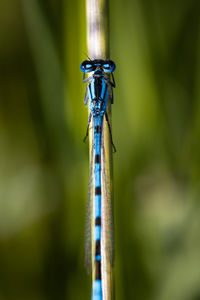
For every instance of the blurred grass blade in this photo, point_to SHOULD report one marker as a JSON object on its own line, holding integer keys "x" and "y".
{"x": 48, "y": 69}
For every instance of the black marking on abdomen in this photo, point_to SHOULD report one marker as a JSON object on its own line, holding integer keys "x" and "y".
{"x": 98, "y": 190}
{"x": 98, "y": 221}
{"x": 97, "y": 269}
{"x": 97, "y": 159}
{"x": 97, "y": 129}
{"x": 97, "y": 247}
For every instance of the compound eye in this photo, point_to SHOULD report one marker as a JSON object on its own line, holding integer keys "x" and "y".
{"x": 87, "y": 66}
{"x": 109, "y": 66}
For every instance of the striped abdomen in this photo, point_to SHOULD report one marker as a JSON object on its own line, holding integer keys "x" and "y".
{"x": 97, "y": 283}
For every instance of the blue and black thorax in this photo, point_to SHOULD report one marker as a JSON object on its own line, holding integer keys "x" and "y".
{"x": 99, "y": 88}
{"x": 98, "y": 93}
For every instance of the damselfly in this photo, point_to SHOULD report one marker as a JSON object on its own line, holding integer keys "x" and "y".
{"x": 99, "y": 228}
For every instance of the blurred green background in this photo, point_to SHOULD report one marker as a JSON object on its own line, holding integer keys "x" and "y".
{"x": 44, "y": 163}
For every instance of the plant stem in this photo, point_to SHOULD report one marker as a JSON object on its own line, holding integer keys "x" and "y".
{"x": 98, "y": 48}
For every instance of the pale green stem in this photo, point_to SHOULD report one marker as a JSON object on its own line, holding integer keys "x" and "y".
{"x": 98, "y": 47}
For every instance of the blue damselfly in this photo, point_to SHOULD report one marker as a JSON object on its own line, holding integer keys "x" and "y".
{"x": 99, "y": 228}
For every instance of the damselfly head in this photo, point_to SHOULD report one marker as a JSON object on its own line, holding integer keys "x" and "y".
{"x": 107, "y": 66}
